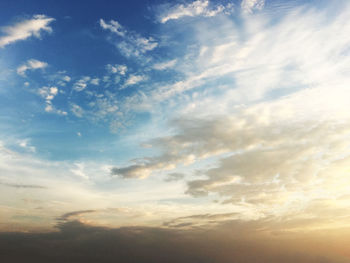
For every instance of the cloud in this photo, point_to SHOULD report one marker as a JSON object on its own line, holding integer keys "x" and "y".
{"x": 106, "y": 106}
{"x": 95, "y": 81}
{"x": 31, "y": 64}
{"x": 25, "y": 144}
{"x": 49, "y": 93}
{"x": 77, "y": 110}
{"x": 31, "y": 186}
{"x": 165, "y": 65}
{"x": 132, "y": 44}
{"x": 132, "y": 171}
{"x": 145, "y": 167}
{"x": 270, "y": 158}
{"x": 25, "y": 29}
{"x": 61, "y": 78}
{"x": 196, "y": 8}
{"x": 248, "y": 6}
{"x": 281, "y": 158}
{"x": 174, "y": 177}
{"x": 134, "y": 79}
{"x": 114, "y": 27}
{"x": 24, "y": 176}
{"x": 82, "y": 83}
{"x": 66, "y": 78}
{"x": 69, "y": 215}
{"x": 200, "y": 220}
{"x": 258, "y": 54}
{"x": 79, "y": 169}
{"x": 275, "y": 150}
{"x": 117, "y": 69}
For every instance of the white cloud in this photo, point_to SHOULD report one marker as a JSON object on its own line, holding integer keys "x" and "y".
{"x": 31, "y": 64}
{"x": 104, "y": 107}
{"x": 66, "y": 78}
{"x": 134, "y": 79}
{"x": 81, "y": 84}
{"x": 25, "y": 143}
{"x": 78, "y": 170}
{"x": 49, "y": 107}
{"x": 117, "y": 69}
{"x": 49, "y": 93}
{"x": 248, "y": 6}
{"x": 165, "y": 65}
{"x": 114, "y": 27}
{"x": 53, "y": 91}
{"x": 263, "y": 57}
{"x": 95, "y": 81}
{"x": 77, "y": 110}
{"x": 196, "y": 8}
{"x": 276, "y": 158}
{"x": 25, "y": 29}
{"x": 132, "y": 44}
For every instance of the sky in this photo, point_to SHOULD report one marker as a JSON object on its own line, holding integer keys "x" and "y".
{"x": 175, "y": 122}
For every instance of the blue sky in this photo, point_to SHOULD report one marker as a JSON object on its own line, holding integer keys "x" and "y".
{"x": 158, "y": 109}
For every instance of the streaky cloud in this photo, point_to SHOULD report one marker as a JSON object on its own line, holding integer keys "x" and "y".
{"x": 25, "y": 29}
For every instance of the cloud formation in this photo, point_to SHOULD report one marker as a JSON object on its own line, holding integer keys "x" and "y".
{"x": 270, "y": 156}
{"x": 82, "y": 83}
{"x": 248, "y": 6}
{"x": 25, "y": 29}
{"x": 134, "y": 79}
{"x": 165, "y": 65}
{"x": 196, "y": 8}
{"x": 31, "y": 64}
{"x": 49, "y": 93}
{"x": 249, "y": 127}
{"x": 132, "y": 44}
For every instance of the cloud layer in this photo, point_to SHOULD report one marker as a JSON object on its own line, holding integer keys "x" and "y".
{"x": 209, "y": 123}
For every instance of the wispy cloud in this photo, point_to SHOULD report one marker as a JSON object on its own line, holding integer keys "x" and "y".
{"x": 82, "y": 83}
{"x": 248, "y": 6}
{"x": 77, "y": 110}
{"x": 199, "y": 220}
{"x": 31, "y": 64}
{"x": 31, "y": 186}
{"x": 25, "y": 29}
{"x": 165, "y": 65}
{"x": 117, "y": 69}
{"x": 25, "y": 144}
{"x": 134, "y": 79}
{"x": 196, "y": 8}
{"x": 132, "y": 44}
{"x": 49, "y": 93}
